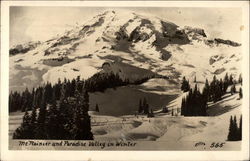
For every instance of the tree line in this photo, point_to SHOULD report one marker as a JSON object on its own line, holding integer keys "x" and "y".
{"x": 195, "y": 103}
{"x": 98, "y": 82}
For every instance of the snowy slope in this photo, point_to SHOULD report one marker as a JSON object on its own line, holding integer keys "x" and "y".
{"x": 161, "y": 127}
{"x": 142, "y": 41}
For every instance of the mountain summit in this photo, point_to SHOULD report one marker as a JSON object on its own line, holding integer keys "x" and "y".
{"x": 118, "y": 37}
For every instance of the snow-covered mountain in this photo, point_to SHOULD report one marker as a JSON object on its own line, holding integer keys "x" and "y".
{"x": 126, "y": 42}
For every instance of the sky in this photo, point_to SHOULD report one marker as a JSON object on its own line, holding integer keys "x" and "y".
{"x": 42, "y": 23}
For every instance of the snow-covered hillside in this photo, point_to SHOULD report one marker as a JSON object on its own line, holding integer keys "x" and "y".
{"x": 142, "y": 41}
{"x": 163, "y": 127}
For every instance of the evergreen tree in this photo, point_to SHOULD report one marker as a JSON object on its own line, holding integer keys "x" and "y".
{"x": 233, "y": 89}
{"x": 235, "y": 129}
{"x": 183, "y": 106}
{"x": 24, "y": 131}
{"x": 41, "y": 124}
{"x": 96, "y": 108}
{"x": 240, "y": 79}
{"x": 82, "y": 127}
{"x": 26, "y": 101}
{"x": 47, "y": 93}
{"x": 33, "y": 98}
{"x": 231, "y": 79}
{"x": 152, "y": 112}
{"x": 57, "y": 89}
{"x": 231, "y": 130}
{"x": 240, "y": 93}
{"x": 185, "y": 85}
{"x": 72, "y": 87}
{"x": 146, "y": 109}
{"x": 140, "y": 109}
{"x": 54, "y": 126}
{"x": 213, "y": 89}
{"x": 226, "y": 83}
{"x": 33, "y": 123}
{"x": 240, "y": 129}
{"x": 205, "y": 91}
{"x": 65, "y": 116}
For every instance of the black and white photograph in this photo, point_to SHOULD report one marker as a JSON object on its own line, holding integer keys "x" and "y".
{"x": 137, "y": 78}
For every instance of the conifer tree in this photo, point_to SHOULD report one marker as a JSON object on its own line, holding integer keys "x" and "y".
{"x": 82, "y": 127}
{"x": 21, "y": 132}
{"x": 146, "y": 109}
{"x": 65, "y": 115}
{"x": 54, "y": 126}
{"x": 152, "y": 112}
{"x": 240, "y": 79}
{"x": 96, "y": 108}
{"x": 233, "y": 89}
{"x": 24, "y": 131}
{"x": 240, "y": 129}
{"x": 140, "y": 109}
{"x": 240, "y": 93}
{"x": 226, "y": 83}
{"x": 235, "y": 128}
{"x": 47, "y": 93}
{"x": 33, "y": 123}
{"x": 231, "y": 130}
{"x": 231, "y": 79}
{"x": 205, "y": 91}
{"x": 72, "y": 87}
{"x": 185, "y": 85}
{"x": 183, "y": 106}
{"x": 26, "y": 101}
{"x": 41, "y": 124}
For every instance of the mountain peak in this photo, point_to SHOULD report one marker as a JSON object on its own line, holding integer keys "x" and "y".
{"x": 139, "y": 40}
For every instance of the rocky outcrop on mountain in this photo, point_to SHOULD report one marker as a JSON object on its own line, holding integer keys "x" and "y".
{"x": 168, "y": 29}
{"x": 227, "y": 42}
{"x": 64, "y": 40}
{"x": 215, "y": 58}
{"x": 24, "y": 48}
{"x": 194, "y": 30}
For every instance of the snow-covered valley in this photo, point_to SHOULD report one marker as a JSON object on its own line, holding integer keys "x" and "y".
{"x": 136, "y": 47}
{"x": 163, "y": 127}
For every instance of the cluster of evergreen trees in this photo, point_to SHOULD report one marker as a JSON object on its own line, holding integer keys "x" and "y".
{"x": 60, "y": 111}
{"x": 143, "y": 106}
{"x": 28, "y": 100}
{"x": 235, "y": 131}
{"x": 195, "y": 104}
{"x": 66, "y": 118}
{"x": 102, "y": 81}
